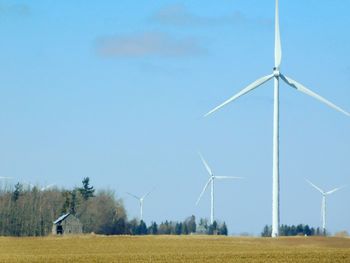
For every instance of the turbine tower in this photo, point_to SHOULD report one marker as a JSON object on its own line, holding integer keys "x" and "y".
{"x": 323, "y": 206}
{"x": 211, "y": 180}
{"x": 140, "y": 199}
{"x": 277, "y": 75}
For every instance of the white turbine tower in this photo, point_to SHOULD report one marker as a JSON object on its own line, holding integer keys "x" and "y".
{"x": 277, "y": 75}
{"x": 140, "y": 199}
{"x": 323, "y": 206}
{"x": 211, "y": 180}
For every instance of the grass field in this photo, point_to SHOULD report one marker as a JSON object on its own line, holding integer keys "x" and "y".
{"x": 92, "y": 248}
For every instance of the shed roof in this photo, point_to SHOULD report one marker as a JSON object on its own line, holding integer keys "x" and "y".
{"x": 61, "y": 218}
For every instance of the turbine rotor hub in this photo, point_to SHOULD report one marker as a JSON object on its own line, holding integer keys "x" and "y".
{"x": 276, "y": 72}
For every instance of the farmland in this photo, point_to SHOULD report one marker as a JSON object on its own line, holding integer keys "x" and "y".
{"x": 94, "y": 248}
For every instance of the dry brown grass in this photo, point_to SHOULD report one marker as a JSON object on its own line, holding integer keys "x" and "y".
{"x": 92, "y": 248}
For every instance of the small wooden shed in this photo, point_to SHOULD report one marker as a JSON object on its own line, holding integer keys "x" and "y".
{"x": 67, "y": 224}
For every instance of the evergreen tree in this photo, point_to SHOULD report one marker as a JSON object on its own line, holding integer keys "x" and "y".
{"x": 307, "y": 230}
{"x": 17, "y": 192}
{"x": 120, "y": 226}
{"x": 293, "y": 231}
{"x": 267, "y": 231}
{"x": 213, "y": 229}
{"x": 299, "y": 229}
{"x": 184, "y": 229}
{"x": 223, "y": 229}
{"x": 178, "y": 228}
{"x": 132, "y": 227}
{"x": 142, "y": 228}
{"x": 167, "y": 228}
{"x": 191, "y": 224}
{"x": 153, "y": 229}
{"x": 87, "y": 191}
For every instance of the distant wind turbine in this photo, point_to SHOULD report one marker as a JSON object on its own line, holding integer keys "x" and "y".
{"x": 211, "y": 180}
{"x": 140, "y": 199}
{"x": 276, "y": 75}
{"x": 323, "y": 206}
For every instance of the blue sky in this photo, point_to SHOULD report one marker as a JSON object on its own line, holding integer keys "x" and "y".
{"x": 116, "y": 90}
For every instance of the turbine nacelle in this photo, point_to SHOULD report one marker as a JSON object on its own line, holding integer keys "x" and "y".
{"x": 276, "y": 72}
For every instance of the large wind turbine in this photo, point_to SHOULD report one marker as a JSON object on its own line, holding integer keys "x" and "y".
{"x": 277, "y": 75}
{"x": 323, "y": 206}
{"x": 140, "y": 199}
{"x": 211, "y": 180}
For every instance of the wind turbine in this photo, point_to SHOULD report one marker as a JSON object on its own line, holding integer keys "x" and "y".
{"x": 211, "y": 180}
{"x": 323, "y": 206}
{"x": 140, "y": 199}
{"x": 277, "y": 75}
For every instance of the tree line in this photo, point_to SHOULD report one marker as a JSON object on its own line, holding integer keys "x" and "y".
{"x": 187, "y": 227}
{"x": 298, "y": 230}
{"x": 30, "y": 211}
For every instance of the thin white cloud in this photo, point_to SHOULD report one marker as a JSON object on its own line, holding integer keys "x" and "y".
{"x": 178, "y": 15}
{"x": 148, "y": 44}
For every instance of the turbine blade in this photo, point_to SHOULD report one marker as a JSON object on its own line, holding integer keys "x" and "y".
{"x": 143, "y": 197}
{"x": 278, "y": 46}
{"x": 5, "y": 177}
{"x": 205, "y": 187}
{"x": 206, "y": 165}
{"x": 303, "y": 89}
{"x": 247, "y": 89}
{"x": 316, "y": 187}
{"x": 227, "y": 177}
{"x": 136, "y": 197}
{"x": 334, "y": 190}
